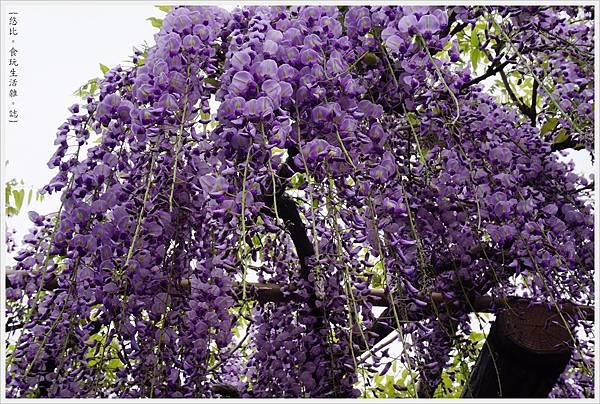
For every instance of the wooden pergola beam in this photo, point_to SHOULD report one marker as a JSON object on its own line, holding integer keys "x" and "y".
{"x": 269, "y": 292}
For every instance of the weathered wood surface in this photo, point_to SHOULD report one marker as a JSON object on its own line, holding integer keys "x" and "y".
{"x": 526, "y": 351}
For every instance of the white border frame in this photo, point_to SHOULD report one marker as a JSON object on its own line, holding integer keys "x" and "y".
{"x": 6, "y": 6}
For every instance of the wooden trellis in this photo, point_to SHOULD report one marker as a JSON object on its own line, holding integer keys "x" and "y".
{"x": 527, "y": 348}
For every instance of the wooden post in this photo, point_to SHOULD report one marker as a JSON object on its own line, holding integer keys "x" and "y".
{"x": 527, "y": 349}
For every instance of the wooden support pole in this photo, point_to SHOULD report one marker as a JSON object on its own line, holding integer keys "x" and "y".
{"x": 527, "y": 349}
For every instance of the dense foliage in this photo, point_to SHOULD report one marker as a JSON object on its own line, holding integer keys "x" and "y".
{"x": 327, "y": 150}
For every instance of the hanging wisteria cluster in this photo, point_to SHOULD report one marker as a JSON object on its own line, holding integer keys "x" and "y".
{"x": 325, "y": 150}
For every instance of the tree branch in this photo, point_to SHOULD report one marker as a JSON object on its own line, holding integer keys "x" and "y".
{"x": 459, "y": 27}
{"x": 522, "y": 107}
{"x": 570, "y": 143}
{"x": 492, "y": 70}
{"x": 533, "y": 108}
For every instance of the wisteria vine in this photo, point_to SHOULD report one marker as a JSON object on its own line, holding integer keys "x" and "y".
{"x": 325, "y": 150}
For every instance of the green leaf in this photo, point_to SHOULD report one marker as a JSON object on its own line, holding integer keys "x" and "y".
{"x": 19, "y": 196}
{"x": 156, "y": 22}
{"x": 412, "y": 119}
{"x": 29, "y": 196}
{"x": 370, "y": 59}
{"x": 376, "y": 31}
{"x": 115, "y": 364}
{"x": 549, "y": 125}
{"x": 475, "y": 51}
{"x": 93, "y": 87}
{"x": 561, "y": 137}
{"x": 476, "y": 336}
{"x": 212, "y": 81}
{"x": 474, "y": 39}
{"x": 165, "y": 9}
{"x": 7, "y": 192}
{"x": 377, "y": 281}
{"x": 297, "y": 180}
{"x": 475, "y": 56}
{"x": 104, "y": 68}
{"x": 256, "y": 242}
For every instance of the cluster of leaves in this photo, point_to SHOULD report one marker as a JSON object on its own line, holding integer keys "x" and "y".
{"x": 16, "y": 193}
{"x": 352, "y": 148}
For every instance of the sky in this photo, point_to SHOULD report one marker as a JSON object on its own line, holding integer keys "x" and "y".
{"x": 60, "y": 47}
